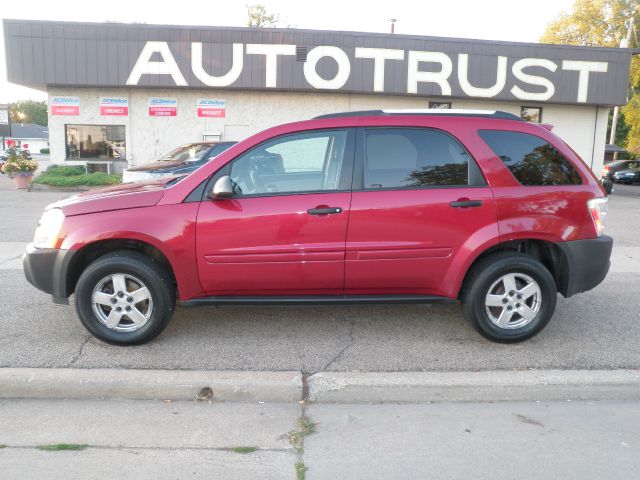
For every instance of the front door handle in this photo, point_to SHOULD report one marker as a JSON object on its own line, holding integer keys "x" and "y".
{"x": 324, "y": 210}
{"x": 463, "y": 203}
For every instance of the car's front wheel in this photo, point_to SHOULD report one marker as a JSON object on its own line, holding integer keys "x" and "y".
{"x": 509, "y": 297}
{"x": 125, "y": 298}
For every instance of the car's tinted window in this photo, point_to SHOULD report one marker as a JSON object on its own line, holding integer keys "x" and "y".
{"x": 413, "y": 157}
{"x": 532, "y": 160}
{"x": 304, "y": 162}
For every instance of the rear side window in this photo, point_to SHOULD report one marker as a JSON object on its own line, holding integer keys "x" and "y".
{"x": 532, "y": 160}
{"x": 417, "y": 157}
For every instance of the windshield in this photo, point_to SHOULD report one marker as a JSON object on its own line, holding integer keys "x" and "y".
{"x": 187, "y": 153}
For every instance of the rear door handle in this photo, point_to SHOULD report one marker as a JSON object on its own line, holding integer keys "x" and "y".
{"x": 466, "y": 203}
{"x": 324, "y": 210}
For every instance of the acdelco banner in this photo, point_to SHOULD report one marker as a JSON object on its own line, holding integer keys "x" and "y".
{"x": 163, "y": 107}
{"x": 211, "y": 107}
{"x": 65, "y": 105}
{"x": 114, "y": 106}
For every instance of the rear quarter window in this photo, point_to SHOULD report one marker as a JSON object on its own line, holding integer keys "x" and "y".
{"x": 532, "y": 160}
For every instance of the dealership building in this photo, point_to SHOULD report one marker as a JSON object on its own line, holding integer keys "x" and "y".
{"x": 128, "y": 93}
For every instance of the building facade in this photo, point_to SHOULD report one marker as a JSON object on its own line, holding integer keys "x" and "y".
{"x": 136, "y": 91}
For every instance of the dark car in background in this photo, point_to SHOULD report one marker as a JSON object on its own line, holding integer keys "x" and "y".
{"x": 627, "y": 177}
{"x": 180, "y": 161}
{"x": 610, "y": 169}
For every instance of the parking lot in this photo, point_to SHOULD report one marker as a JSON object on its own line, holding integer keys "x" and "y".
{"x": 595, "y": 330}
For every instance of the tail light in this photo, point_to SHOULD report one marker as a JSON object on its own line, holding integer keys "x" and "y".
{"x": 598, "y": 210}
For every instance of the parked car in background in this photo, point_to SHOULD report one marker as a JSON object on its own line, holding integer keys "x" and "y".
{"x": 611, "y": 168}
{"x": 361, "y": 207}
{"x": 627, "y": 176}
{"x": 180, "y": 161}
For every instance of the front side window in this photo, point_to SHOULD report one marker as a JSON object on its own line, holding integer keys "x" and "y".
{"x": 532, "y": 160}
{"x": 95, "y": 142}
{"x": 413, "y": 157}
{"x": 298, "y": 163}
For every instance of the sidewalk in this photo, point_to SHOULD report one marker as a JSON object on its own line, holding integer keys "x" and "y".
{"x": 162, "y": 440}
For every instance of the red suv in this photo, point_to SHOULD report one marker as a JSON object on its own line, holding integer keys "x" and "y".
{"x": 360, "y": 207}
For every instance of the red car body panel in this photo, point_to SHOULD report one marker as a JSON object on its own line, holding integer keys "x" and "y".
{"x": 270, "y": 245}
{"x": 169, "y": 228}
{"x": 391, "y": 241}
{"x": 407, "y": 241}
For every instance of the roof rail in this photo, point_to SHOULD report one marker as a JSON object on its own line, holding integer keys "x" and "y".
{"x": 441, "y": 112}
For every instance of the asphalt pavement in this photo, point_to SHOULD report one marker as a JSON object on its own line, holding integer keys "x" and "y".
{"x": 595, "y": 330}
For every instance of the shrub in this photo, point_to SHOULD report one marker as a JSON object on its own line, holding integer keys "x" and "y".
{"x": 65, "y": 170}
{"x": 87, "y": 179}
{"x": 45, "y": 150}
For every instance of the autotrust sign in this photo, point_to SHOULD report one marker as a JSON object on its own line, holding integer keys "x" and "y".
{"x": 152, "y": 56}
{"x": 422, "y": 68}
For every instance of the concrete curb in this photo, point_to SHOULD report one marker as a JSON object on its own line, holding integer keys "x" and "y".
{"x": 325, "y": 387}
{"x": 417, "y": 387}
{"x": 70, "y": 383}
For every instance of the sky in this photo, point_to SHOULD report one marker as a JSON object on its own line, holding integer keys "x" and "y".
{"x": 507, "y": 20}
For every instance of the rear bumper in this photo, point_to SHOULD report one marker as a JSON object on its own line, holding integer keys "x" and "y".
{"x": 46, "y": 269}
{"x": 587, "y": 264}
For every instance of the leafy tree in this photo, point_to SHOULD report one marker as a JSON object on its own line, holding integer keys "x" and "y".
{"x": 257, "y": 16}
{"x": 604, "y": 23}
{"x": 29, "y": 111}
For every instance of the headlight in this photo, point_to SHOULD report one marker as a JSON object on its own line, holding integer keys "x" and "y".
{"x": 49, "y": 226}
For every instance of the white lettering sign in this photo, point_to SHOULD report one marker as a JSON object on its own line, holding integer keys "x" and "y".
{"x": 224, "y": 80}
{"x": 583, "y": 79}
{"x": 517, "y": 70}
{"x": 441, "y": 77}
{"x": 167, "y": 66}
{"x": 421, "y": 67}
{"x": 341, "y": 77}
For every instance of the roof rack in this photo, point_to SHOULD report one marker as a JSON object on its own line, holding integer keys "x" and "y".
{"x": 441, "y": 112}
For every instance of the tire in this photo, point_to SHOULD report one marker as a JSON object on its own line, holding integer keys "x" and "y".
{"x": 608, "y": 186}
{"x": 523, "y": 317}
{"x": 97, "y": 298}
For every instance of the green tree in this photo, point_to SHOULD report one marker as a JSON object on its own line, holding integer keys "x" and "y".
{"x": 257, "y": 16}
{"x": 29, "y": 111}
{"x": 604, "y": 23}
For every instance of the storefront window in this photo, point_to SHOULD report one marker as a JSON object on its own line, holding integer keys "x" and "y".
{"x": 442, "y": 105}
{"x": 95, "y": 141}
{"x": 531, "y": 114}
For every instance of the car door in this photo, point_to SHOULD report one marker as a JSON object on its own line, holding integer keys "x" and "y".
{"x": 419, "y": 200}
{"x": 283, "y": 231}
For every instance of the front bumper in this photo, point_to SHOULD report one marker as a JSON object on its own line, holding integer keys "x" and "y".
{"x": 46, "y": 269}
{"x": 587, "y": 263}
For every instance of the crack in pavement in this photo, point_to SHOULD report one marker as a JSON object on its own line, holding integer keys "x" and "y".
{"x": 341, "y": 352}
{"x": 2, "y": 262}
{"x": 80, "y": 351}
{"x": 160, "y": 448}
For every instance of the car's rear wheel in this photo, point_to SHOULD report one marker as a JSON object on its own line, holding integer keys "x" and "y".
{"x": 125, "y": 298}
{"x": 509, "y": 297}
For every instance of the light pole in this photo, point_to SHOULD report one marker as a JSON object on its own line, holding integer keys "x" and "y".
{"x": 393, "y": 24}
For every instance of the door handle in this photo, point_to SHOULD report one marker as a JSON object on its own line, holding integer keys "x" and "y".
{"x": 466, "y": 203}
{"x": 324, "y": 210}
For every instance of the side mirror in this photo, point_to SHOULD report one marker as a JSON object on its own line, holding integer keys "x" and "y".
{"x": 223, "y": 188}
